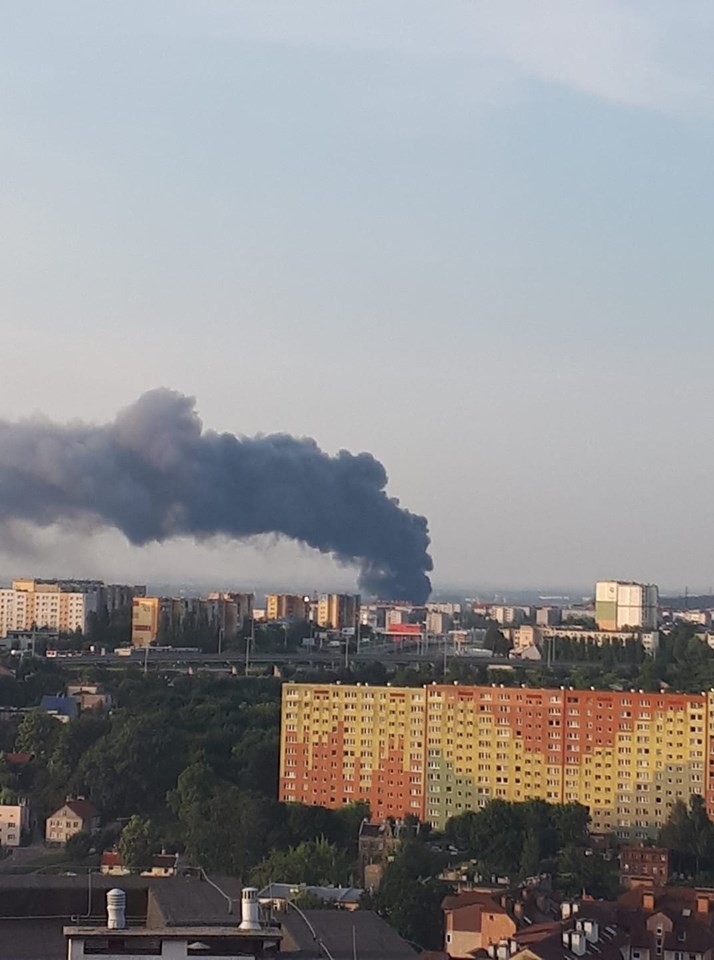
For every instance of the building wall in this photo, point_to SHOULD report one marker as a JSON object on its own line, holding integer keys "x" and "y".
{"x": 345, "y": 743}
{"x": 14, "y": 818}
{"x": 64, "y": 824}
{"x": 144, "y": 621}
{"x": 286, "y": 606}
{"x": 474, "y": 928}
{"x": 338, "y": 610}
{"x": 444, "y": 749}
{"x": 29, "y": 605}
{"x": 620, "y": 605}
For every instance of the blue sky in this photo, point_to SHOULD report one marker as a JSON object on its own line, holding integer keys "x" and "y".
{"x": 473, "y": 238}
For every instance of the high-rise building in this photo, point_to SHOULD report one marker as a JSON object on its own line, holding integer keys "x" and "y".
{"x": 286, "y": 606}
{"x": 440, "y": 750}
{"x": 338, "y": 610}
{"x": 45, "y": 605}
{"x": 144, "y": 621}
{"x": 620, "y": 605}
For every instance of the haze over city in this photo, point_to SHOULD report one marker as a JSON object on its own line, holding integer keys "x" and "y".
{"x": 472, "y": 239}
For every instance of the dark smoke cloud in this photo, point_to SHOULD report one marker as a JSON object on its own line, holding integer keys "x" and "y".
{"x": 154, "y": 474}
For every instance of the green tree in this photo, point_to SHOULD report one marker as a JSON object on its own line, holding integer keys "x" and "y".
{"x": 78, "y": 847}
{"x": 137, "y": 843}
{"x": 315, "y": 862}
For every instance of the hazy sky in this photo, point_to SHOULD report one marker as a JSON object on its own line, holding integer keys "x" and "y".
{"x": 474, "y": 238}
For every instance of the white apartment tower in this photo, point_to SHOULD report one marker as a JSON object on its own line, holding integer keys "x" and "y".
{"x": 621, "y": 604}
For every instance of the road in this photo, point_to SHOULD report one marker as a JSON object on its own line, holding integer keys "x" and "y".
{"x": 324, "y": 658}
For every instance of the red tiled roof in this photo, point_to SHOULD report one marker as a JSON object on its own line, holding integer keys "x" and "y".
{"x": 18, "y": 759}
{"x": 110, "y": 858}
{"x": 472, "y": 898}
{"x": 82, "y": 808}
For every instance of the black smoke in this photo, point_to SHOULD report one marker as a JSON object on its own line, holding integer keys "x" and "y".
{"x": 155, "y": 473}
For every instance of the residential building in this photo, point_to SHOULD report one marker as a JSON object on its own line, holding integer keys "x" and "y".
{"x": 63, "y": 709}
{"x": 247, "y": 936}
{"x": 338, "y": 610}
{"x": 14, "y": 818}
{"x": 144, "y": 621}
{"x": 443, "y": 749}
{"x": 286, "y": 606}
{"x": 279, "y": 895}
{"x": 162, "y": 865}
{"x": 37, "y": 605}
{"x": 621, "y": 605}
{"x": 345, "y": 743}
{"x": 474, "y": 921}
{"x": 342, "y": 935}
{"x": 648, "y": 638}
{"x": 74, "y": 816}
{"x": 438, "y": 622}
{"x": 644, "y": 866}
{"x": 377, "y": 843}
{"x": 89, "y": 696}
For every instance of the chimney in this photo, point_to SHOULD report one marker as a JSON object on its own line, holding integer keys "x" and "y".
{"x": 702, "y": 904}
{"x": 250, "y": 909}
{"x": 648, "y": 901}
{"x": 116, "y": 909}
{"x": 578, "y": 943}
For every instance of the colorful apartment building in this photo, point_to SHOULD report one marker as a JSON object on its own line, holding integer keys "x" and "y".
{"x": 439, "y": 750}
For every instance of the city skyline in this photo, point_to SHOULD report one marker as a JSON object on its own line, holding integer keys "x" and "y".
{"x": 473, "y": 241}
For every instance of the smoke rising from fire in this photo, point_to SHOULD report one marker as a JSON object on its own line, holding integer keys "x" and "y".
{"x": 154, "y": 474}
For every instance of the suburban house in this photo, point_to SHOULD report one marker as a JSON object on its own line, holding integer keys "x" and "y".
{"x": 14, "y": 818}
{"x": 473, "y": 921}
{"x": 74, "y": 816}
{"x": 89, "y": 696}
{"x": 162, "y": 865}
{"x": 63, "y": 709}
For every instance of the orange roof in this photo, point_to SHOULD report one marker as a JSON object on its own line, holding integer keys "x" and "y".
{"x": 405, "y": 629}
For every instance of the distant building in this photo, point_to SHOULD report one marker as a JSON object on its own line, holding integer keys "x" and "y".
{"x": 63, "y": 709}
{"x": 620, "y": 605}
{"x": 162, "y": 865}
{"x": 44, "y": 605}
{"x": 547, "y": 616}
{"x": 89, "y": 696}
{"x": 644, "y": 866}
{"x": 437, "y": 622}
{"x": 74, "y": 816}
{"x": 278, "y": 895}
{"x": 286, "y": 606}
{"x": 14, "y": 818}
{"x": 144, "y": 621}
{"x": 338, "y": 610}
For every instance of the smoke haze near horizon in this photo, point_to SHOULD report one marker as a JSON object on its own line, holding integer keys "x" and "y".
{"x": 155, "y": 475}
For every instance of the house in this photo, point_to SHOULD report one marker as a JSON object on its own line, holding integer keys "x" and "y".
{"x": 63, "y": 709}
{"x": 644, "y": 866}
{"x": 14, "y": 818}
{"x": 376, "y": 844}
{"x": 162, "y": 865}
{"x": 474, "y": 920}
{"x": 277, "y": 895}
{"x": 74, "y": 816}
{"x": 89, "y": 696}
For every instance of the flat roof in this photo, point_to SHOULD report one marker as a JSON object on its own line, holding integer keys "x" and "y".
{"x": 173, "y": 933}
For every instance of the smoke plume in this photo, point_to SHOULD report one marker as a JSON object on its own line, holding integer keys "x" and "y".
{"x": 154, "y": 473}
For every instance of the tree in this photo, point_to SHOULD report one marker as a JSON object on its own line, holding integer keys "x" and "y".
{"x": 38, "y": 734}
{"x": 137, "y": 843}
{"x": 316, "y": 863}
{"x": 409, "y": 897}
{"x": 78, "y": 847}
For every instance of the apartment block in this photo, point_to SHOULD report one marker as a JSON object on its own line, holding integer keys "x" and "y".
{"x": 345, "y": 743}
{"x": 42, "y": 605}
{"x": 440, "y": 750}
{"x": 144, "y": 621}
{"x": 621, "y": 605}
{"x": 286, "y": 606}
{"x": 338, "y": 610}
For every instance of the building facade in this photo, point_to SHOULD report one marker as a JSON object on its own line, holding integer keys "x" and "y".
{"x": 14, "y": 818}
{"x": 620, "y": 605}
{"x": 144, "y": 621}
{"x": 338, "y": 610}
{"x": 286, "y": 606}
{"x": 74, "y": 816}
{"x": 440, "y": 750}
{"x": 38, "y": 605}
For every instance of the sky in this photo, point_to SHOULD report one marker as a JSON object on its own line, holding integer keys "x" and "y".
{"x": 473, "y": 237}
